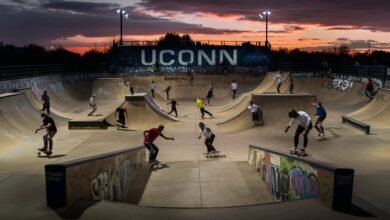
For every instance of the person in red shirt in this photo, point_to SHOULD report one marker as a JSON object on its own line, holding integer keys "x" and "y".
{"x": 369, "y": 89}
{"x": 149, "y": 137}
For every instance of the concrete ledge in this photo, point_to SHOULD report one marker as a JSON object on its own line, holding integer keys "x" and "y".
{"x": 356, "y": 123}
{"x": 290, "y": 177}
{"x": 117, "y": 176}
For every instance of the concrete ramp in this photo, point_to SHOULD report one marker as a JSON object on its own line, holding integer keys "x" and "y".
{"x": 274, "y": 111}
{"x": 377, "y": 112}
{"x": 143, "y": 113}
{"x": 110, "y": 88}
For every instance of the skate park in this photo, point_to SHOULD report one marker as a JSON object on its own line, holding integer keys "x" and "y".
{"x": 194, "y": 110}
{"x": 190, "y": 183}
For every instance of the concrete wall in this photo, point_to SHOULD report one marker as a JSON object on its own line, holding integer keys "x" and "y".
{"x": 292, "y": 178}
{"x": 118, "y": 176}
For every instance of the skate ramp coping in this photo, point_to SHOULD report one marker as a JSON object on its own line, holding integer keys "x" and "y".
{"x": 118, "y": 176}
{"x": 289, "y": 177}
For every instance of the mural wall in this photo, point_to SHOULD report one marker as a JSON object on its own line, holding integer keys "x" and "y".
{"x": 288, "y": 179}
{"x": 117, "y": 178}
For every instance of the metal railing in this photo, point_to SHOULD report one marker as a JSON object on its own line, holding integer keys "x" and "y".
{"x": 194, "y": 43}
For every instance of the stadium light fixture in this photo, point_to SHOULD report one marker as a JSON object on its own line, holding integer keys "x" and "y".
{"x": 121, "y": 14}
{"x": 262, "y": 15}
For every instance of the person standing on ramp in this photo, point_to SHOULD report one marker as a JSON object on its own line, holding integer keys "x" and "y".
{"x": 210, "y": 94}
{"x": 234, "y": 87}
{"x": 121, "y": 111}
{"x": 45, "y": 99}
{"x": 131, "y": 88}
{"x": 92, "y": 105}
{"x": 199, "y": 104}
{"x": 173, "y": 104}
{"x": 51, "y": 130}
{"x": 167, "y": 90}
{"x": 291, "y": 85}
{"x": 321, "y": 115}
{"x": 279, "y": 79}
{"x": 149, "y": 137}
{"x": 209, "y": 135}
{"x": 153, "y": 88}
{"x": 255, "y": 112}
{"x": 304, "y": 127}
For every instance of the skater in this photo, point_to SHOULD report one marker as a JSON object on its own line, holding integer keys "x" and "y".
{"x": 167, "y": 91}
{"x": 45, "y": 99}
{"x": 51, "y": 130}
{"x": 153, "y": 88}
{"x": 92, "y": 104}
{"x": 291, "y": 85}
{"x": 131, "y": 88}
{"x": 208, "y": 134}
{"x": 255, "y": 112}
{"x": 210, "y": 94}
{"x": 173, "y": 104}
{"x": 321, "y": 115}
{"x": 199, "y": 104}
{"x": 149, "y": 137}
{"x": 304, "y": 125}
{"x": 369, "y": 87}
{"x": 279, "y": 79}
{"x": 234, "y": 87}
{"x": 121, "y": 111}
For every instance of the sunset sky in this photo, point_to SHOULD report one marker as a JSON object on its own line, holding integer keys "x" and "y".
{"x": 309, "y": 24}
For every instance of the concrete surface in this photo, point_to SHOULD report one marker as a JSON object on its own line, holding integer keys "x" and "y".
{"x": 191, "y": 180}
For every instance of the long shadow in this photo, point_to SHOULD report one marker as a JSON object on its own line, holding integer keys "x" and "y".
{"x": 52, "y": 156}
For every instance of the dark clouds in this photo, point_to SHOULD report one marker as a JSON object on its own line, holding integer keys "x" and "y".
{"x": 53, "y": 20}
{"x": 369, "y": 14}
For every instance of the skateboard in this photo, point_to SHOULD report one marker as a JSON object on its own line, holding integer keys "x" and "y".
{"x": 299, "y": 153}
{"x": 47, "y": 153}
{"x": 154, "y": 165}
{"x": 214, "y": 154}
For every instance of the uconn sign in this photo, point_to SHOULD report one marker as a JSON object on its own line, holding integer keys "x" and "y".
{"x": 168, "y": 57}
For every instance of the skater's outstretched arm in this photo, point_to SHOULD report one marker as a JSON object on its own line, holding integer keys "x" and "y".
{"x": 43, "y": 127}
{"x": 167, "y": 138}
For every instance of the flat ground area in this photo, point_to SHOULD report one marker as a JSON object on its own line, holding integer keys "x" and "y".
{"x": 192, "y": 186}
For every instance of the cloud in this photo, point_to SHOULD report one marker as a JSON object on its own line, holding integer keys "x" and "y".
{"x": 39, "y": 25}
{"x": 372, "y": 15}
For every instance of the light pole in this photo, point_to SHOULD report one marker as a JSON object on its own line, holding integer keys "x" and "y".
{"x": 262, "y": 15}
{"x": 121, "y": 13}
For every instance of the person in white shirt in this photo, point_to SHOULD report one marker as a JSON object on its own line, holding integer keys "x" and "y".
{"x": 279, "y": 79}
{"x": 209, "y": 135}
{"x": 153, "y": 88}
{"x": 304, "y": 125}
{"x": 255, "y": 112}
{"x": 234, "y": 87}
{"x": 92, "y": 104}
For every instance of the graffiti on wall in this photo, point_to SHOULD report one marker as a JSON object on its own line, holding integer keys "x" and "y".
{"x": 344, "y": 82}
{"x": 288, "y": 179}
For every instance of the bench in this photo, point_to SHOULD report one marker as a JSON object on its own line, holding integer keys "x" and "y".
{"x": 357, "y": 124}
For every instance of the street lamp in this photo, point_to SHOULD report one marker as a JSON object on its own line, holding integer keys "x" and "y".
{"x": 262, "y": 15}
{"x": 121, "y": 13}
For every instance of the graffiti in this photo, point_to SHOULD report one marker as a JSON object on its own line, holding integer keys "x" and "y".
{"x": 3, "y": 115}
{"x": 345, "y": 82}
{"x": 102, "y": 187}
{"x": 304, "y": 185}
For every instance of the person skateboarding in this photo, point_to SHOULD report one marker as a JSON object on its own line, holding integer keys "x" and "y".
{"x": 255, "y": 112}
{"x": 304, "y": 127}
{"x": 210, "y": 94}
{"x": 51, "y": 130}
{"x": 279, "y": 79}
{"x": 321, "y": 115}
{"x": 234, "y": 87}
{"x": 45, "y": 99}
{"x": 167, "y": 90}
{"x": 291, "y": 85}
{"x": 173, "y": 104}
{"x": 131, "y": 88}
{"x": 149, "y": 137}
{"x": 369, "y": 87}
{"x": 199, "y": 104}
{"x": 92, "y": 105}
{"x": 121, "y": 111}
{"x": 209, "y": 135}
{"x": 153, "y": 88}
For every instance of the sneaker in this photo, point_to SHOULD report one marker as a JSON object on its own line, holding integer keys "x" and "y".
{"x": 319, "y": 134}
{"x": 151, "y": 162}
{"x": 42, "y": 149}
{"x": 293, "y": 149}
{"x": 322, "y": 134}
